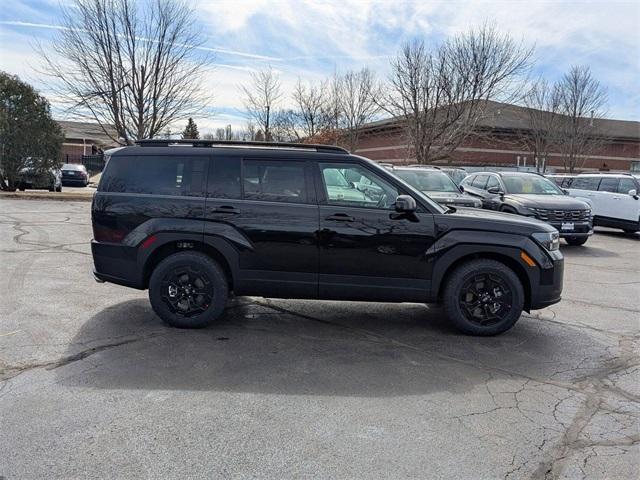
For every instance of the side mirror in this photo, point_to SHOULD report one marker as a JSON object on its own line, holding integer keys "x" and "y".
{"x": 633, "y": 192}
{"x": 565, "y": 191}
{"x": 461, "y": 187}
{"x": 495, "y": 191}
{"x": 405, "y": 204}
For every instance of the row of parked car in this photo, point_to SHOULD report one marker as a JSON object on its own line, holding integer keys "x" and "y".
{"x": 70, "y": 174}
{"x": 572, "y": 204}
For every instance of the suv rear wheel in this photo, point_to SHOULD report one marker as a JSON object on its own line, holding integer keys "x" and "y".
{"x": 188, "y": 290}
{"x": 483, "y": 297}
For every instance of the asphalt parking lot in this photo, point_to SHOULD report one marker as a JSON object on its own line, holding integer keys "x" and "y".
{"x": 93, "y": 385}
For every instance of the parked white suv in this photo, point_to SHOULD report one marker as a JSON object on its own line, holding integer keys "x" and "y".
{"x": 614, "y": 198}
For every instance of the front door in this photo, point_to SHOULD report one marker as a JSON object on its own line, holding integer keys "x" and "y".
{"x": 367, "y": 250}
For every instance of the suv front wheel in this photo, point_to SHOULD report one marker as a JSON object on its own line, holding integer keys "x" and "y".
{"x": 188, "y": 290}
{"x": 483, "y": 297}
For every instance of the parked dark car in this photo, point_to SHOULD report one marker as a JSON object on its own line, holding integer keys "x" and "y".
{"x": 74, "y": 174}
{"x": 33, "y": 177}
{"x": 200, "y": 220}
{"x": 437, "y": 185}
{"x": 532, "y": 195}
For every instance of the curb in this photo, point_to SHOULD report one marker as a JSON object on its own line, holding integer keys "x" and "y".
{"x": 60, "y": 196}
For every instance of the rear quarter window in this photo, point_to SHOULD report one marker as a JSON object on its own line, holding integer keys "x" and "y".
{"x": 155, "y": 175}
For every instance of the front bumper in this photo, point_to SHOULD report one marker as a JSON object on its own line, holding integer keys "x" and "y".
{"x": 549, "y": 286}
{"x": 577, "y": 229}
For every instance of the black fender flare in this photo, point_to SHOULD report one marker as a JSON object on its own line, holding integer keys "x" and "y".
{"x": 457, "y": 245}
{"x": 221, "y": 239}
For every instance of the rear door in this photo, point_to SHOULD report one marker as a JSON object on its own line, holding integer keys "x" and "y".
{"x": 628, "y": 206}
{"x": 608, "y": 198}
{"x": 367, "y": 250}
{"x": 266, "y": 208}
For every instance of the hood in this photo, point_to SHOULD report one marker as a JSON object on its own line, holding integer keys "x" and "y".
{"x": 453, "y": 198}
{"x": 487, "y": 220}
{"x": 435, "y": 195}
{"x": 555, "y": 202}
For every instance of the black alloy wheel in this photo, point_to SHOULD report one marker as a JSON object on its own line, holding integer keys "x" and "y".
{"x": 187, "y": 291}
{"x": 483, "y": 297}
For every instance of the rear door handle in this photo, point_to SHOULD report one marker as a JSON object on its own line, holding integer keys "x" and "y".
{"x": 226, "y": 209}
{"x": 341, "y": 217}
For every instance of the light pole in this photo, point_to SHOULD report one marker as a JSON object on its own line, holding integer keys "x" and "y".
{"x": 267, "y": 133}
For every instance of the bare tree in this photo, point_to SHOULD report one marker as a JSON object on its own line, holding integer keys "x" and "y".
{"x": 544, "y": 133}
{"x": 582, "y": 101}
{"x": 311, "y": 109}
{"x": 358, "y": 98}
{"x": 127, "y": 65}
{"x": 262, "y": 98}
{"x": 441, "y": 95}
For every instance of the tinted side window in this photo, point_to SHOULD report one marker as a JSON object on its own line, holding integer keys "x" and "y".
{"x": 356, "y": 186}
{"x": 480, "y": 181}
{"x": 224, "y": 178}
{"x": 586, "y": 183}
{"x": 625, "y": 185}
{"x": 608, "y": 185}
{"x": 158, "y": 175}
{"x": 467, "y": 180}
{"x": 274, "y": 181}
{"x": 493, "y": 182}
{"x": 566, "y": 182}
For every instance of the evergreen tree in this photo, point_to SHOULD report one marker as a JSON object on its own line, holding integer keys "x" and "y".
{"x": 191, "y": 130}
{"x": 28, "y": 134}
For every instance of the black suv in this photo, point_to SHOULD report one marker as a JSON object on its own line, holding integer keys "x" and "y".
{"x": 533, "y": 195}
{"x": 195, "y": 221}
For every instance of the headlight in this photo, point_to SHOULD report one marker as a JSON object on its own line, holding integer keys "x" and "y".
{"x": 549, "y": 240}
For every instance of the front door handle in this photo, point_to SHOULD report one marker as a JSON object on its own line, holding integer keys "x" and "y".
{"x": 341, "y": 217}
{"x": 226, "y": 209}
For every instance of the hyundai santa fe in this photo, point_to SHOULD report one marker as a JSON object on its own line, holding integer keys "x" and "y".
{"x": 533, "y": 195}
{"x": 195, "y": 222}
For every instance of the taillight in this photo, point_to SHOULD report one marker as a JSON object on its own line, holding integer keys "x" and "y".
{"x": 110, "y": 235}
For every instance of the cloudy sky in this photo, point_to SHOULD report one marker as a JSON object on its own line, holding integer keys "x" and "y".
{"x": 312, "y": 39}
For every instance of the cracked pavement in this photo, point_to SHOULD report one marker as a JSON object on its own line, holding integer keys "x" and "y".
{"x": 93, "y": 385}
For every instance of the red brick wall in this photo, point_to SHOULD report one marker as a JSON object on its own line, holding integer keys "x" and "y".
{"x": 503, "y": 149}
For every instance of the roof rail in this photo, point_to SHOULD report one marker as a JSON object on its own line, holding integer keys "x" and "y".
{"x": 236, "y": 143}
{"x": 606, "y": 173}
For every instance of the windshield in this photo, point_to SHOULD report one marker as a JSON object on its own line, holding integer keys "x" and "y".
{"x": 428, "y": 181}
{"x": 530, "y": 184}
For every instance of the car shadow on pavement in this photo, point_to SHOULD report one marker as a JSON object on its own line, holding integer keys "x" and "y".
{"x": 316, "y": 348}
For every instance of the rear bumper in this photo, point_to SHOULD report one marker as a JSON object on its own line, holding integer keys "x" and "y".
{"x": 116, "y": 263}
{"x": 549, "y": 288}
{"x": 74, "y": 181}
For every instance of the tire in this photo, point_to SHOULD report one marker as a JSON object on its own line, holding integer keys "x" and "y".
{"x": 167, "y": 281}
{"x": 576, "y": 241}
{"x": 21, "y": 188}
{"x": 508, "y": 210}
{"x": 512, "y": 297}
{"x": 59, "y": 189}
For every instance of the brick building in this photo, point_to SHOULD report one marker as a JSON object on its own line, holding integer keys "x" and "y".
{"x": 498, "y": 143}
{"x": 84, "y": 138}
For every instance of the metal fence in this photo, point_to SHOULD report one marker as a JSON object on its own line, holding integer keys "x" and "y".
{"x": 93, "y": 163}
